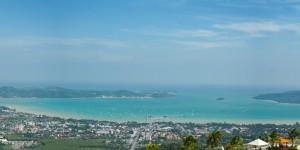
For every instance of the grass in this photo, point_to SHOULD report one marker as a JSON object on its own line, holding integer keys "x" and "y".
{"x": 15, "y": 137}
{"x": 70, "y": 144}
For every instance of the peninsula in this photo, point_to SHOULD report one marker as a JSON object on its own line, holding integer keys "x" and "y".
{"x": 58, "y": 92}
{"x": 292, "y": 97}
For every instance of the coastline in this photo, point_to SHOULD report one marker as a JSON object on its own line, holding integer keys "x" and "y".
{"x": 273, "y": 101}
{"x": 36, "y": 111}
{"x": 101, "y": 97}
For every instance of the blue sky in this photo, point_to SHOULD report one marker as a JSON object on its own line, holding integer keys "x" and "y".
{"x": 202, "y": 42}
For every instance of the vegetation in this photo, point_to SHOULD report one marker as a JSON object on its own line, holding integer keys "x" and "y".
{"x": 285, "y": 97}
{"x": 189, "y": 143}
{"x": 228, "y": 135}
{"x": 214, "y": 139}
{"x": 170, "y": 145}
{"x": 73, "y": 144}
{"x": 221, "y": 99}
{"x": 236, "y": 143}
{"x": 272, "y": 137}
{"x": 153, "y": 147}
{"x": 57, "y": 92}
{"x": 293, "y": 135}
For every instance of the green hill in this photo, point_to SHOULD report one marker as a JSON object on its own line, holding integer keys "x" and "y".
{"x": 57, "y": 92}
{"x": 285, "y": 97}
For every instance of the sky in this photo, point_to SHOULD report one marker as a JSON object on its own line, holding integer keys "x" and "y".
{"x": 198, "y": 42}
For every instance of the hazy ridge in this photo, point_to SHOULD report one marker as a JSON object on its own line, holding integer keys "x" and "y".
{"x": 58, "y": 92}
{"x": 285, "y": 97}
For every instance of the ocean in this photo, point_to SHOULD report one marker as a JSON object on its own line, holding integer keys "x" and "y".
{"x": 192, "y": 104}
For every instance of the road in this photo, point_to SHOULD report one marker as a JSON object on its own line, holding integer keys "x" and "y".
{"x": 135, "y": 140}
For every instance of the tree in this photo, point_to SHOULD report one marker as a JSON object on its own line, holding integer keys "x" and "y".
{"x": 170, "y": 145}
{"x": 189, "y": 143}
{"x": 264, "y": 138}
{"x": 214, "y": 139}
{"x": 293, "y": 135}
{"x": 235, "y": 143}
{"x": 272, "y": 137}
{"x": 152, "y": 147}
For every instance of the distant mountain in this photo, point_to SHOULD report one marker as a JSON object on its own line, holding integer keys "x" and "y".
{"x": 285, "y": 97}
{"x": 58, "y": 92}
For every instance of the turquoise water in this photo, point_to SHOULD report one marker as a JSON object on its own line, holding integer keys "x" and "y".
{"x": 191, "y": 104}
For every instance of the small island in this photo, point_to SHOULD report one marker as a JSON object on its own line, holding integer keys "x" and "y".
{"x": 221, "y": 99}
{"x": 292, "y": 97}
{"x": 58, "y": 92}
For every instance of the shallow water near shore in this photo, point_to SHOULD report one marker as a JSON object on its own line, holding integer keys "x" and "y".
{"x": 191, "y": 105}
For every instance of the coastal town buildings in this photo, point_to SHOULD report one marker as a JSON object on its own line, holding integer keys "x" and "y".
{"x": 24, "y": 130}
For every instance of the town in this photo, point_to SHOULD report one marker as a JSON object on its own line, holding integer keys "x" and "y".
{"x": 22, "y": 130}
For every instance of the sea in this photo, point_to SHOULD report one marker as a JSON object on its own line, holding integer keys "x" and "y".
{"x": 196, "y": 104}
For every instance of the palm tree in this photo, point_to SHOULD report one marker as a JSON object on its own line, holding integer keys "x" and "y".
{"x": 189, "y": 143}
{"x": 272, "y": 137}
{"x": 293, "y": 135}
{"x": 264, "y": 138}
{"x": 152, "y": 147}
{"x": 235, "y": 143}
{"x": 214, "y": 139}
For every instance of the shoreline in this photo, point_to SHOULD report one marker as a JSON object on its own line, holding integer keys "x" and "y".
{"x": 34, "y": 111}
{"x": 273, "y": 101}
{"x": 101, "y": 97}
{"x": 23, "y": 109}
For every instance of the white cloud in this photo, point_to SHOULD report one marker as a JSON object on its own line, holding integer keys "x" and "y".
{"x": 179, "y": 33}
{"x": 210, "y": 44}
{"x": 258, "y": 28}
{"x": 37, "y": 41}
{"x": 292, "y": 27}
{"x": 251, "y": 27}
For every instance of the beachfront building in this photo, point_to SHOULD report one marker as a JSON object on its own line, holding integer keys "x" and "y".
{"x": 3, "y": 140}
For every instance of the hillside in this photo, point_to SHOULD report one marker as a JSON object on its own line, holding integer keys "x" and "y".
{"x": 57, "y": 92}
{"x": 285, "y": 97}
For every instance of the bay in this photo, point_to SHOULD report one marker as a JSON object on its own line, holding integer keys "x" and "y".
{"x": 192, "y": 104}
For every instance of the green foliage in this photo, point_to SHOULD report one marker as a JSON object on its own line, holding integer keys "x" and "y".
{"x": 16, "y": 137}
{"x": 285, "y": 97}
{"x": 189, "y": 143}
{"x": 293, "y": 135}
{"x": 214, "y": 139}
{"x": 264, "y": 138}
{"x": 170, "y": 145}
{"x": 153, "y": 147}
{"x": 236, "y": 143}
{"x": 57, "y": 92}
{"x": 294, "y": 147}
{"x": 74, "y": 144}
{"x": 272, "y": 137}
